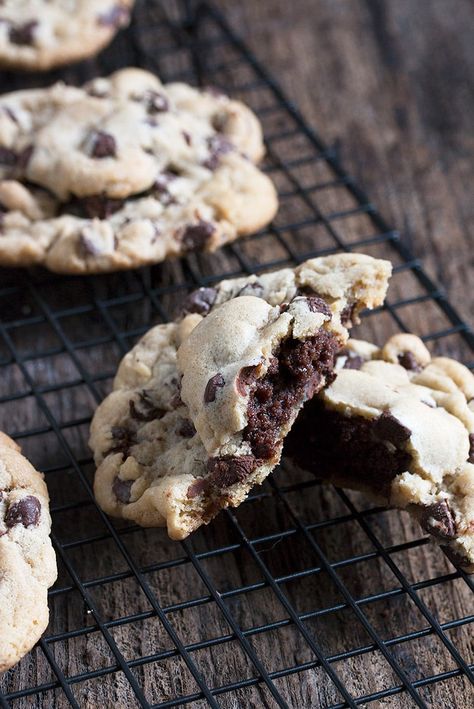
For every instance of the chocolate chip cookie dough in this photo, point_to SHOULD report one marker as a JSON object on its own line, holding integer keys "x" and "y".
{"x": 125, "y": 172}
{"x": 42, "y": 34}
{"x": 27, "y": 559}
{"x": 200, "y": 407}
{"x": 398, "y": 424}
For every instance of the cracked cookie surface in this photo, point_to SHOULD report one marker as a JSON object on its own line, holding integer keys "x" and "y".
{"x": 398, "y": 424}
{"x": 200, "y": 407}
{"x": 124, "y": 172}
{"x": 27, "y": 559}
{"x": 40, "y": 34}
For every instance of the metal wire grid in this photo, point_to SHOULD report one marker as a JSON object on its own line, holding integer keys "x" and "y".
{"x": 81, "y": 327}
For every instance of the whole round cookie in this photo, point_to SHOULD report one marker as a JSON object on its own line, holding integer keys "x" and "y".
{"x": 27, "y": 559}
{"x": 200, "y": 407}
{"x": 398, "y": 424}
{"x": 125, "y": 172}
{"x": 40, "y": 34}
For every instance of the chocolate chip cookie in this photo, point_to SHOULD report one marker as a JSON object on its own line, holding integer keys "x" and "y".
{"x": 398, "y": 424}
{"x": 200, "y": 406}
{"x": 27, "y": 559}
{"x": 41, "y": 34}
{"x": 125, "y": 172}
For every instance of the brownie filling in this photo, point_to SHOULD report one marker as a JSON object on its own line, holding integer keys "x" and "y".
{"x": 360, "y": 452}
{"x": 295, "y": 374}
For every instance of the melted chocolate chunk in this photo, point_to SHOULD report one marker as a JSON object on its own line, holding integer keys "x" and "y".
{"x": 148, "y": 411}
{"x": 7, "y": 157}
{"x": 318, "y": 305}
{"x": 122, "y": 440}
{"x": 255, "y": 289}
{"x": 471, "y": 448}
{"x": 408, "y": 361}
{"x": 121, "y": 489}
{"x": 294, "y": 375}
{"x": 196, "y": 236}
{"x": 218, "y": 146}
{"x": 353, "y": 360}
{"x": 343, "y": 449}
{"x": 438, "y": 520}
{"x": 200, "y": 301}
{"x": 23, "y": 34}
{"x": 228, "y": 470}
{"x": 347, "y": 314}
{"x": 103, "y": 145}
{"x": 246, "y": 378}
{"x": 199, "y": 486}
{"x": 186, "y": 428}
{"x": 387, "y": 428}
{"x": 26, "y": 512}
{"x": 117, "y": 16}
{"x": 155, "y": 102}
{"x": 216, "y": 382}
{"x": 96, "y": 206}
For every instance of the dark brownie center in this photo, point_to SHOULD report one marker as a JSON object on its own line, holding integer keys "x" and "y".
{"x": 294, "y": 375}
{"x": 368, "y": 452}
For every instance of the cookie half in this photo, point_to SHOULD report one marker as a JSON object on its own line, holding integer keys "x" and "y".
{"x": 399, "y": 425}
{"x": 126, "y": 172}
{"x": 41, "y": 34}
{"x": 201, "y": 406}
{"x": 27, "y": 559}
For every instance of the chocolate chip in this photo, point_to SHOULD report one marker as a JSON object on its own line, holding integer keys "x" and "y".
{"x": 121, "y": 489}
{"x": 347, "y": 314}
{"x": 471, "y": 448}
{"x": 155, "y": 102}
{"x": 408, "y": 361}
{"x": 200, "y": 301}
{"x": 255, "y": 289}
{"x": 246, "y": 378}
{"x": 7, "y": 157}
{"x": 218, "y": 146}
{"x": 103, "y": 145}
{"x": 228, "y": 470}
{"x": 149, "y": 410}
{"x": 122, "y": 440}
{"x": 196, "y": 236}
{"x": 216, "y": 382}
{"x": 160, "y": 188}
{"x": 185, "y": 428}
{"x": 387, "y": 428}
{"x": 199, "y": 486}
{"x": 318, "y": 305}
{"x": 438, "y": 520}
{"x": 117, "y": 16}
{"x": 26, "y": 512}
{"x": 23, "y": 34}
{"x": 95, "y": 206}
{"x": 219, "y": 121}
{"x": 353, "y": 360}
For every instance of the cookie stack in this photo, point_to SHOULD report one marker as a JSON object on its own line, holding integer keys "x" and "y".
{"x": 126, "y": 171}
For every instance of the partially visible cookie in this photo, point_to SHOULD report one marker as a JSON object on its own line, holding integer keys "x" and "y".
{"x": 126, "y": 172}
{"x": 399, "y": 425}
{"x": 200, "y": 406}
{"x": 27, "y": 559}
{"x": 41, "y": 34}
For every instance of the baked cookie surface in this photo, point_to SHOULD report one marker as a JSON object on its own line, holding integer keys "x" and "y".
{"x": 27, "y": 559}
{"x": 398, "y": 424}
{"x": 125, "y": 172}
{"x": 200, "y": 407}
{"x": 40, "y": 34}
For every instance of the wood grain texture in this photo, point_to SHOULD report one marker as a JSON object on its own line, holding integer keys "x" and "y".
{"x": 391, "y": 83}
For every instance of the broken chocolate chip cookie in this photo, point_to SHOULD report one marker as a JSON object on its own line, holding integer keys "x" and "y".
{"x": 398, "y": 424}
{"x": 218, "y": 390}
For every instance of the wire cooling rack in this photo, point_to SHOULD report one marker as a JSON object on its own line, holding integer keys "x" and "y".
{"x": 305, "y": 596}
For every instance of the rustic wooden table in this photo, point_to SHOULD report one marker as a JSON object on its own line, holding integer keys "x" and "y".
{"x": 392, "y": 85}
